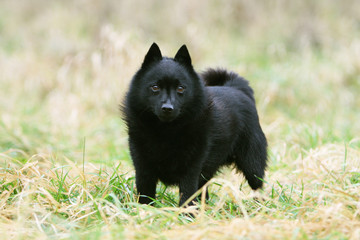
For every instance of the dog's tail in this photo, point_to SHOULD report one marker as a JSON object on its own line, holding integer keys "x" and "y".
{"x": 221, "y": 77}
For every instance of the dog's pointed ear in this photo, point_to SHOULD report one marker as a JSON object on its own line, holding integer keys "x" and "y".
{"x": 154, "y": 54}
{"x": 183, "y": 56}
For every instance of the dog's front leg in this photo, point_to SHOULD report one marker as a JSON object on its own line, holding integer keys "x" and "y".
{"x": 146, "y": 186}
{"x": 188, "y": 186}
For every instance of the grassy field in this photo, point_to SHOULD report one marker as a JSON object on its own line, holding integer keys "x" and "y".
{"x": 65, "y": 169}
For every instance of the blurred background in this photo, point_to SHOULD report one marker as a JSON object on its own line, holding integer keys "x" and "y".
{"x": 65, "y": 66}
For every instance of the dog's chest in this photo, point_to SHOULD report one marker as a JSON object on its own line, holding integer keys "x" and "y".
{"x": 173, "y": 159}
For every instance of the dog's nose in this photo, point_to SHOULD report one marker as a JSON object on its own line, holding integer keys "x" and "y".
{"x": 167, "y": 108}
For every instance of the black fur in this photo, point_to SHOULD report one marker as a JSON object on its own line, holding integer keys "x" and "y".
{"x": 183, "y": 126}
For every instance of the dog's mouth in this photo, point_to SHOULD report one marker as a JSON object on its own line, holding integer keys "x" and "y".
{"x": 167, "y": 117}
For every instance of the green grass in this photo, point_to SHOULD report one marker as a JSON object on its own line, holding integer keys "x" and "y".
{"x": 65, "y": 168}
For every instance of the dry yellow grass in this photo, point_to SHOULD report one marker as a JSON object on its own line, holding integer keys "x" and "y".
{"x": 65, "y": 171}
{"x": 318, "y": 198}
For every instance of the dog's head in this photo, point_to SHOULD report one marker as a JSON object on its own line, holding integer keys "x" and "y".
{"x": 168, "y": 85}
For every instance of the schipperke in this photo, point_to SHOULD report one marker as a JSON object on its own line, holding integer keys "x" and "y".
{"x": 183, "y": 126}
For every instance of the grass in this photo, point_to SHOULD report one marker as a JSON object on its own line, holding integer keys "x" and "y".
{"x": 65, "y": 169}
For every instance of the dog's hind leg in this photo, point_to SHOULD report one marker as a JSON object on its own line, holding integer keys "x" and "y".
{"x": 250, "y": 158}
{"x": 207, "y": 173}
{"x": 202, "y": 181}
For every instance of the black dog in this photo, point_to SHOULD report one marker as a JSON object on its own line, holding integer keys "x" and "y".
{"x": 183, "y": 127}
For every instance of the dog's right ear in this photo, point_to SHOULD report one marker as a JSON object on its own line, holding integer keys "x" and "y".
{"x": 154, "y": 54}
{"x": 183, "y": 56}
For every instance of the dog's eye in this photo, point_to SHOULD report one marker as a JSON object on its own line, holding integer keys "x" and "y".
{"x": 180, "y": 89}
{"x": 155, "y": 88}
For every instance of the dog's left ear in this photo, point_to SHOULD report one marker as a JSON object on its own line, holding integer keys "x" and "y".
{"x": 183, "y": 56}
{"x": 153, "y": 55}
